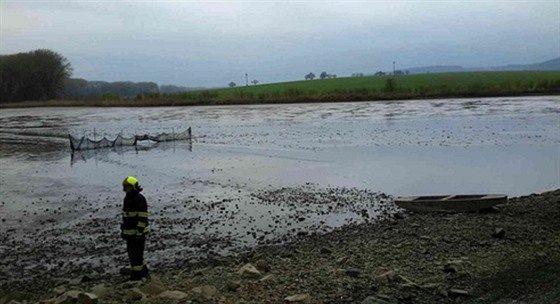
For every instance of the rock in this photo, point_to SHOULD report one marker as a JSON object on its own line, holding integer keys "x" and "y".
{"x": 378, "y": 300}
{"x": 399, "y": 215}
{"x": 134, "y": 294}
{"x": 458, "y": 292}
{"x": 452, "y": 266}
{"x": 87, "y": 298}
{"x": 173, "y": 295}
{"x": 68, "y": 297}
{"x": 263, "y": 265}
{"x": 301, "y": 298}
{"x": 207, "y": 291}
{"x": 249, "y": 270}
{"x": 57, "y": 291}
{"x": 386, "y": 277}
{"x": 14, "y": 296}
{"x": 234, "y": 285}
{"x": 408, "y": 282}
{"x": 431, "y": 286}
{"x": 449, "y": 268}
{"x": 342, "y": 260}
{"x": 154, "y": 287}
{"x": 353, "y": 272}
{"x": 499, "y": 233}
{"x": 325, "y": 250}
{"x": 266, "y": 278}
{"x": 85, "y": 279}
{"x": 101, "y": 290}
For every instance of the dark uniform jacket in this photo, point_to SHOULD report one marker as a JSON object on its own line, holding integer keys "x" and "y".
{"x": 135, "y": 216}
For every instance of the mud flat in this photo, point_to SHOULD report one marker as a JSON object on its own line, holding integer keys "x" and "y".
{"x": 508, "y": 254}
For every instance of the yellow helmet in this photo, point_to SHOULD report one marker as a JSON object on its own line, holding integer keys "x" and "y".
{"x": 132, "y": 181}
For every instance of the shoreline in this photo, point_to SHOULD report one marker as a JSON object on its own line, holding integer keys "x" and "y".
{"x": 175, "y": 102}
{"x": 410, "y": 258}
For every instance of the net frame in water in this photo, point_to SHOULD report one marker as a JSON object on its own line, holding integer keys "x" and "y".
{"x": 85, "y": 143}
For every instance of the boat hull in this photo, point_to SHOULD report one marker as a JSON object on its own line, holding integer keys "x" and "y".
{"x": 450, "y": 203}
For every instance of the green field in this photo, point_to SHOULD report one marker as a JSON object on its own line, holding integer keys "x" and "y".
{"x": 442, "y": 85}
{"x": 386, "y": 87}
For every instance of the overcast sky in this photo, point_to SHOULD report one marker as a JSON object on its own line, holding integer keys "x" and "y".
{"x": 210, "y": 43}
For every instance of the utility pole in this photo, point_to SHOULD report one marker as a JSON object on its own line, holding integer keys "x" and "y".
{"x": 246, "y": 80}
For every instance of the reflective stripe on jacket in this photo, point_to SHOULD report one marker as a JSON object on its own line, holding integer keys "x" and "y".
{"x": 134, "y": 215}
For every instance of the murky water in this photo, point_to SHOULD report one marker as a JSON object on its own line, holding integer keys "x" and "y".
{"x": 259, "y": 173}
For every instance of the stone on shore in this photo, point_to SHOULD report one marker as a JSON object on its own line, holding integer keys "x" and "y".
{"x": 14, "y": 296}
{"x": 342, "y": 260}
{"x": 499, "y": 233}
{"x": 262, "y": 265}
{"x": 353, "y": 272}
{"x": 173, "y": 295}
{"x": 101, "y": 290}
{"x": 134, "y": 294}
{"x": 458, "y": 292}
{"x": 87, "y": 298}
{"x": 57, "y": 291}
{"x": 68, "y": 297}
{"x": 266, "y": 278}
{"x": 233, "y": 285}
{"x": 207, "y": 291}
{"x": 154, "y": 287}
{"x": 298, "y": 298}
{"x": 249, "y": 270}
{"x": 378, "y": 300}
{"x": 386, "y": 277}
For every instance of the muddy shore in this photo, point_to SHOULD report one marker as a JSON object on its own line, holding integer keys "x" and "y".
{"x": 509, "y": 254}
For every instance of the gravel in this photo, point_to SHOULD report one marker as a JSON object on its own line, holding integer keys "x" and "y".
{"x": 411, "y": 258}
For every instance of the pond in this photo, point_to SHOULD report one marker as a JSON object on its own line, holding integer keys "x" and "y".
{"x": 257, "y": 174}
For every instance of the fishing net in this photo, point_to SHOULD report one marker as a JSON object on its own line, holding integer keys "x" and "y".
{"x": 103, "y": 155}
{"x": 84, "y": 143}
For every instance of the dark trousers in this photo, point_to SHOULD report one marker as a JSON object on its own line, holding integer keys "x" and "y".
{"x": 135, "y": 249}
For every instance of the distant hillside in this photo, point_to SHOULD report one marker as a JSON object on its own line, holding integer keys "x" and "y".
{"x": 436, "y": 69}
{"x": 549, "y": 65}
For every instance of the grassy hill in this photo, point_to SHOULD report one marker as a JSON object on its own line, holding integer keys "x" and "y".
{"x": 387, "y": 87}
{"x": 443, "y": 85}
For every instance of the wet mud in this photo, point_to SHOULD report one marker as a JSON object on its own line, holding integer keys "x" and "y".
{"x": 252, "y": 176}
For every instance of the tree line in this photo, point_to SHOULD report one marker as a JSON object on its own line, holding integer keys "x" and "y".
{"x": 35, "y": 75}
{"x": 44, "y": 74}
{"x": 323, "y": 75}
{"x": 83, "y": 89}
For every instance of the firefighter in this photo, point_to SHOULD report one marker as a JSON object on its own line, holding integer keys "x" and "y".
{"x": 134, "y": 227}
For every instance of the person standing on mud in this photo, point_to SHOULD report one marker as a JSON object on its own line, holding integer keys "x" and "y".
{"x": 134, "y": 227}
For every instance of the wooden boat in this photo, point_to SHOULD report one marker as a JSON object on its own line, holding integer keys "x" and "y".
{"x": 450, "y": 203}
